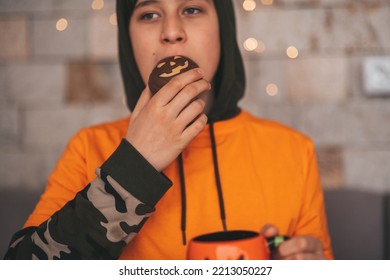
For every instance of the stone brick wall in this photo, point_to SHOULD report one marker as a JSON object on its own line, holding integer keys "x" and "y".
{"x": 321, "y": 91}
{"x": 54, "y": 82}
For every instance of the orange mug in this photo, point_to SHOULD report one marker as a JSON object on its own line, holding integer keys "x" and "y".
{"x": 233, "y": 245}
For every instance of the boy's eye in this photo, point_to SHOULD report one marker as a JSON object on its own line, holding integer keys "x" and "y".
{"x": 192, "y": 11}
{"x": 149, "y": 16}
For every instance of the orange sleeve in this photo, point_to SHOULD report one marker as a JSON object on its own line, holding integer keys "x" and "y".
{"x": 313, "y": 217}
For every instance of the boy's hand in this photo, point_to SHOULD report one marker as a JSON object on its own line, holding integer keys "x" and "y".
{"x": 296, "y": 248}
{"x": 163, "y": 125}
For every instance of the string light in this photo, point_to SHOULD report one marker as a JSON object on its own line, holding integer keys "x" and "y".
{"x": 61, "y": 24}
{"x": 113, "y": 19}
{"x": 254, "y": 45}
{"x": 251, "y": 44}
{"x": 272, "y": 89}
{"x": 267, "y": 2}
{"x": 292, "y": 52}
{"x": 97, "y": 4}
{"x": 260, "y": 47}
{"x": 249, "y": 5}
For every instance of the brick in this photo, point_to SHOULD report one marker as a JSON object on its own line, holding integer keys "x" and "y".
{"x": 319, "y": 78}
{"x": 370, "y": 119}
{"x": 43, "y": 135}
{"x": 103, "y": 36}
{"x": 117, "y": 88}
{"x": 26, "y": 169}
{"x": 23, "y": 169}
{"x": 352, "y": 27}
{"x": 280, "y": 28}
{"x": 93, "y": 82}
{"x": 33, "y": 83}
{"x": 300, "y": 2}
{"x": 71, "y": 42}
{"x": 355, "y": 28}
{"x": 326, "y": 124}
{"x": 109, "y": 5}
{"x": 368, "y": 169}
{"x": 313, "y": 2}
{"x": 13, "y": 6}
{"x": 331, "y": 166}
{"x": 259, "y": 74}
{"x": 14, "y": 38}
{"x": 9, "y": 125}
{"x": 106, "y": 112}
{"x": 346, "y": 124}
{"x": 87, "y": 83}
{"x": 72, "y": 5}
{"x": 377, "y": 19}
{"x": 356, "y": 78}
{"x": 323, "y": 3}
{"x": 283, "y": 113}
{"x": 3, "y": 81}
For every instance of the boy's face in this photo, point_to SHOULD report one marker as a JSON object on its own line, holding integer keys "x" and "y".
{"x": 161, "y": 28}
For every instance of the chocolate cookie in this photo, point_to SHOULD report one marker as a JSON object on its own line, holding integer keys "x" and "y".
{"x": 168, "y": 68}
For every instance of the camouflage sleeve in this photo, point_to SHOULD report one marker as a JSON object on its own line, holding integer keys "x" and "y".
{"x": 102, "y": 218}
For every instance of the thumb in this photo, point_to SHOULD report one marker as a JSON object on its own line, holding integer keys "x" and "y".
{"x": 269, "y": 230}
{"x": 144, "y": 98}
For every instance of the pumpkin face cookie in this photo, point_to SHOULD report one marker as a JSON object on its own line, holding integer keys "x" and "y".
{"x": 168, "y": 68}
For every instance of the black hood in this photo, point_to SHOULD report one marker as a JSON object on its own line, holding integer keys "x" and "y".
{"x": 229, "y": 81}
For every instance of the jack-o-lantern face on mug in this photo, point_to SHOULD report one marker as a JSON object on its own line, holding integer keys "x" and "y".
{"x": 227, "y": 252}
{"x": 168, "y": 68}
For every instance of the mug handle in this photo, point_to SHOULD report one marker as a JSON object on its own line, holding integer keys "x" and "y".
{"x": 275, "y": 241}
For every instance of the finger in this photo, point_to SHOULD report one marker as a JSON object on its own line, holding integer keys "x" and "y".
{"x": 269, "y": 230}
{"x": 300, "y": 245}
{"x": 190, "y": 113}
{"x": 174, "y": 86}
{"x": 306, "y": 256}
{"x": 187, "y": 94}
{"x": 142, "y": 101}
{"x": 194, "y": 128}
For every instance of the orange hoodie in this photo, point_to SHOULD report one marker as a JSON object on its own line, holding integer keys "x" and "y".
{"x": 268, "y": 174}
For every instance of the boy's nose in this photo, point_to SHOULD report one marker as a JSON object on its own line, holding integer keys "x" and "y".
{"x": 173, "y": 31}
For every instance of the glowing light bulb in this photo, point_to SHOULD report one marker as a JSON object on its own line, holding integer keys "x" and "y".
{"x": 251, "y": 44}
{"x": 260, "y": 47}
{"x": 61, "y": 24}
{"x": 272, "y": 89}
{"x": 113, "y": 19}
{"x": 292, "y": 52}
{"x": 97, "y": 4}
{"x": 267, "y": 2}
{"x": 249, "y": 5}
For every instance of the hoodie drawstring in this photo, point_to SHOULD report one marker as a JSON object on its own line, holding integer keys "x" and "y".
{"x": 183, "y": 200}
{"x": 217, "y": 177}
{"x": 217, "y": 181}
